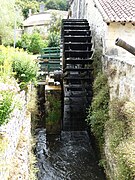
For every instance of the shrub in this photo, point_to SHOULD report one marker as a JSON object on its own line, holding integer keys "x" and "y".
{"x": 24, "y": 42}
{"x": 32, "y": 43}
{"x": 51, "y": 4}
{"x": 25, "y": 68}
{"x": 36, "y": 43}
{"x": 14, "y": 63}
{"x": 53, "y": 39}
{"x": 113, "y": 124}
{"x": 117, "y": 123}
{"x": 17, "y": 63}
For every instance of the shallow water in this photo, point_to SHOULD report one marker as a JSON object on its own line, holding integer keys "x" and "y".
{"x": 68, "y": 156}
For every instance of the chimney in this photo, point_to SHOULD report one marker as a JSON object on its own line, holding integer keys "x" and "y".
{"x": 30, "y": 13}
{"x": 42, "y": 8}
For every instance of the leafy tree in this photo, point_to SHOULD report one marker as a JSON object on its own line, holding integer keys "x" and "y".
{"x": 55, "y": 24}
{"x": 8, "y": 15}
{"x": 63, "y": 5}
{"x": 54, "y": 31}
{"x": 57, "y": 4}
{"x": 25, "y": 5}
{"x": 51, "y": 4}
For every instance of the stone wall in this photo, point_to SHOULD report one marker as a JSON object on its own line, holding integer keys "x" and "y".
{"x": 15, "y": 143}
{"x": 121, "y": 73}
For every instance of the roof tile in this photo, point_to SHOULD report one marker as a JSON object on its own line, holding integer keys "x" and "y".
{"x": 117, "y": 10}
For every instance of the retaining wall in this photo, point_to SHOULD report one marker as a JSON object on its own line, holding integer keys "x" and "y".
{"x": 15, "y": 143}
{"x": 121, "y": 79}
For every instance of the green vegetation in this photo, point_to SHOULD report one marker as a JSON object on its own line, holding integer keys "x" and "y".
{"x": 35, "y": 42}
{"x": 120, "y": 128}
{"x": 13, "y": 12}
{"x": 53, "y": 39}
{"x": 56, "y": 4}
{"x": 32, "y": 43}
{"x": 32, "y": 161}
{"x": 32, "y": 107}
{"x": 25, "y": 70}
{"x": 97, "y": 62}
{"x": 14, "y": 64}
{"x": 6, "y": 108}
{"x": 53, "y": 109}
{"x": 119, "y": 120}
{"x": 5, "y": 62}
{"x": 25, "y": 5}
{"x": 55, "y": 24}
{"x": 113, "y": 125}
{"x": 98, "y": 111}
{"x": 8, "y": 15}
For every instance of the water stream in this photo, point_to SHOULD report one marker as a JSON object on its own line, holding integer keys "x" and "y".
{"x": 68, "y": 156}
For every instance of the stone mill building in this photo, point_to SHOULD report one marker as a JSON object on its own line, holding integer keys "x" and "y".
{"x": 108, "y": 21}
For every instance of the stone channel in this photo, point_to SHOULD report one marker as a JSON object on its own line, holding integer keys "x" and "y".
{"x": 68, "y": 156}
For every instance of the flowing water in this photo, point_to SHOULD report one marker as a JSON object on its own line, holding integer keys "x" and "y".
{"x": 68, "y": 156}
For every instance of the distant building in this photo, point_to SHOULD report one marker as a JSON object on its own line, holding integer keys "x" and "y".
{"x": 41, "y": 21}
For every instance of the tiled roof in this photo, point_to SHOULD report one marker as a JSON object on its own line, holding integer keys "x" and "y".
{"x": 117, "y": 10}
